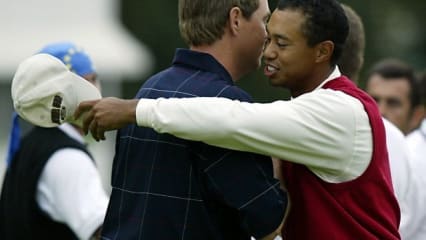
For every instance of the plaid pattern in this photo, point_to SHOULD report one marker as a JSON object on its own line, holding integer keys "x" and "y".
{"x": 170, "y": 188}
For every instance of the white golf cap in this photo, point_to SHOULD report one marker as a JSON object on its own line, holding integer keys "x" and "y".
{"x": 46, "y": 93}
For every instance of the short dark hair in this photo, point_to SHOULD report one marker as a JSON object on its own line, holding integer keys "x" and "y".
{"x": 202, "y": 22}
{"x": 325, "y": 20}
{"x": 392, "y": 68}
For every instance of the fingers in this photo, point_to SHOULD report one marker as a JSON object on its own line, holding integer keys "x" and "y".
{"x": 88, "y": 110}
{"x": 91, "y": 111}
{"x": 84, "y": 107}
{"x": 96, "y": 130}
{"x": 92, "y": 127}
{"x": 88, "y": 121}
{"x": 100, "y": 133}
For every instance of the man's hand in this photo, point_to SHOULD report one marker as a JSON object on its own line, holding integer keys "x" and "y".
{"x": 106, "y": 114}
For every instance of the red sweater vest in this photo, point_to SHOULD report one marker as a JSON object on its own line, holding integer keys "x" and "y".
{"x": 364, "y": 208}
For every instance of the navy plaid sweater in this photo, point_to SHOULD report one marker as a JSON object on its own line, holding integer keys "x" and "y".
{"x": 169, "y": 188}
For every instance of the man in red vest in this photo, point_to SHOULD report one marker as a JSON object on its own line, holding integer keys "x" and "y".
{"x": 330, "y": 136}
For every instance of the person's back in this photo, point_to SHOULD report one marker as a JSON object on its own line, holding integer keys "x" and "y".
{"x": 169, "y": 188}
{"x": 187, "y": 189}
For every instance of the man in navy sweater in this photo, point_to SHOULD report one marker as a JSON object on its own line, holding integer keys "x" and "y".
{"x": 164, "y": 187}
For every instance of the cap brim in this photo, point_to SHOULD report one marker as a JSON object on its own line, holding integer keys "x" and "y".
{"x": 46, "y": 93}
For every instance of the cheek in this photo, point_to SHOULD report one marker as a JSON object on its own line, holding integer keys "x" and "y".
{"x": 287, "y": 61}
{"x": 259, "y": 32}
{"x": 398, "y": 113}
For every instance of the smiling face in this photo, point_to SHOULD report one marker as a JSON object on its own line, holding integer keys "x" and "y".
{"x": 289, "y": 61}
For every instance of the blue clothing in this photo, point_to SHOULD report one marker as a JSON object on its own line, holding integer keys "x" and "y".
{"x": 74, "y": 58}
{"x": 169, "y": 188}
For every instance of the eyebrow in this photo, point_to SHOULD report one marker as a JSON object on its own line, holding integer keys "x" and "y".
{"x": 279, "y": 36}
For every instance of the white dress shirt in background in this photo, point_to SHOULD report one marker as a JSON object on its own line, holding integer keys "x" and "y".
{"x": 70, "y": 189}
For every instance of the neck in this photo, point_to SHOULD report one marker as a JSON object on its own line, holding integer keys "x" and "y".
{"x": 317, "y": 76}
{"x": 223, "y": 54}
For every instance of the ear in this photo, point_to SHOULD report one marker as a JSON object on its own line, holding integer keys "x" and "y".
{"x": 324, "y": 50}
{"x": 235, "y": 15}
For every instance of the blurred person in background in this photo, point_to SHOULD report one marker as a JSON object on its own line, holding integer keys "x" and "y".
{"x": 392, "y": 83}
{"x": 52, "y": 189}
{"x": 408, "y": 189}
{"x": 330, "y": 136}
{"x": 417, "y": 138}
{"x": 352, "y": 59}
{"x": 417, "y": 145}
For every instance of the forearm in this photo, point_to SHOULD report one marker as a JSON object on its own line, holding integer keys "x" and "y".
{"x": 277, "y": 129}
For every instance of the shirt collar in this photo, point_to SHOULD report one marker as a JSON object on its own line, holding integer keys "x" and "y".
{"x": 335, "y": 74}
{"x": 71, "y": 132}
{"x": 201, "y": 61}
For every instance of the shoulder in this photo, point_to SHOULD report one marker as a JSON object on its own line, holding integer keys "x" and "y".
{"x": 333, "y": 103}
{"x": 68, "y": 161}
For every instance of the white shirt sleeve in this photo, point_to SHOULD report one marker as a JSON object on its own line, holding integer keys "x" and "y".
{"x": 326, "y": 130}
{"x": 70, "y": 192}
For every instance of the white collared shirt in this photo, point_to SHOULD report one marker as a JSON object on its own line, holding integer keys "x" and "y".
{"x": 326, "y": 130}
{"x": 417, "y": 146}
{"x": 407, "y": 185}
{"x": 70, "y": 189}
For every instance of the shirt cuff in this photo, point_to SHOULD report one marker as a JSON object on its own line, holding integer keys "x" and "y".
{"x": 144, "y": 112}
